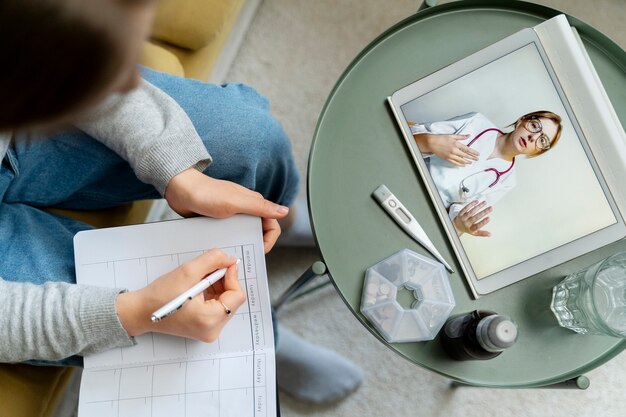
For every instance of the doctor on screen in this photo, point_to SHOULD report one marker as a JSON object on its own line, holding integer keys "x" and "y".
{"x": 472, "y": 162}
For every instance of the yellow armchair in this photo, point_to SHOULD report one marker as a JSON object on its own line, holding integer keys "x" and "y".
{"x": 202, "y": 35}
{"x": 191, "y": 38}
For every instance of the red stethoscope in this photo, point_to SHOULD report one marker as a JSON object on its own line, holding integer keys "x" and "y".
{"x": 464, "y": 190}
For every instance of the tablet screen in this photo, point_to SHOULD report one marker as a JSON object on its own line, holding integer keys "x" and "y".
{"x": 512, "y": 171}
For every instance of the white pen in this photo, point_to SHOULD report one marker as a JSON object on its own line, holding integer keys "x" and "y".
{"x": 176, "y": 304}
{"x": 406, "y": 221}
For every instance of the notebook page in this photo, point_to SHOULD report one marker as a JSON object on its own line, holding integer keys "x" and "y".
{"x": 237, "y": 385}
{"x": 160, "y": 373}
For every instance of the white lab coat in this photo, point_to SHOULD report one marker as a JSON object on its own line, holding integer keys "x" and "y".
{"x": 447, "y": 176}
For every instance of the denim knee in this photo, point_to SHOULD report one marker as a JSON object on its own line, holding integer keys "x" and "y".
{"x": 272, "y": 162}
{"x": 248, "y": 145}
{"x": 255, "y": 151}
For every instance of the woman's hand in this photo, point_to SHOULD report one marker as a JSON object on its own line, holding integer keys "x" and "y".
{"x": 193, "y": 193}
{"x": 447, "y": 147}
{"x": 472, "y": 218}
{"x": 201, "y": 318}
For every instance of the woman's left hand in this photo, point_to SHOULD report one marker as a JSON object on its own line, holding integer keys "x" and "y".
{"x": 447, "y": 147}
{"x": 472, "y": 218}
{"x": 192, "y": 193}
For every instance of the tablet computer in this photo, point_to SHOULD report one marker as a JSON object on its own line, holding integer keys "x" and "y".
{"x": 509, "y": 142}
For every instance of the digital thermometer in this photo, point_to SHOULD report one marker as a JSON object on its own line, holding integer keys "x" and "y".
{"x": 406, "y": 221}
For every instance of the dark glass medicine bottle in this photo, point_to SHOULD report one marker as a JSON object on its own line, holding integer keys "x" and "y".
{"x": 478, "y": 335}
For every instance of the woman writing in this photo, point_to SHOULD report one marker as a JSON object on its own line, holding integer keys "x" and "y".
{"x": 472, "y": 162}
{"x": 81, "y": 128}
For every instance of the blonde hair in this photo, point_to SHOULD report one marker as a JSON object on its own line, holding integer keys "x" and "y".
{"x": 547, "y": 115}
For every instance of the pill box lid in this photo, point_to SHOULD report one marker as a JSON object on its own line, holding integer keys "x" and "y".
{"x": 429, "y": 281}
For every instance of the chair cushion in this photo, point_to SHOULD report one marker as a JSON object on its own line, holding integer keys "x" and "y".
{"x": 192, "y": 24}
{"x": 130, "y": 213}
{"x": 32, "y": 391}
{"x": 160, "y": 59}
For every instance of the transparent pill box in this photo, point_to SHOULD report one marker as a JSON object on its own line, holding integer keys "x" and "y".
{"x": 427, "y": 283}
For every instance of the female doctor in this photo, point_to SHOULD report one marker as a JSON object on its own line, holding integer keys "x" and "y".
{"x": 472, "y": 162}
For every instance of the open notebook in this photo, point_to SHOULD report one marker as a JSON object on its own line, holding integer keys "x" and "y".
{"x": 171, "y": 376}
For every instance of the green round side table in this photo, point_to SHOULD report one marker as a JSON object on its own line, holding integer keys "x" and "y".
{"x": 357, "y": 147}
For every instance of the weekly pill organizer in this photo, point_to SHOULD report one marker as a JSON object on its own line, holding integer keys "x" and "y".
{"x": 424, "y": 278}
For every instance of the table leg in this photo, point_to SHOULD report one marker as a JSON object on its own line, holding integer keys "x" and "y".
{"x": 426, "y": 4}
{"x": 318, "y": 268}
{"x": 580, "y": 382}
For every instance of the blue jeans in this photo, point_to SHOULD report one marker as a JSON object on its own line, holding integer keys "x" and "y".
{"x": 72, "y": 170}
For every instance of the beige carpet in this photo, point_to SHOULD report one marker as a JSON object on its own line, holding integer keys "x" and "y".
{"x": 294, "y": 52}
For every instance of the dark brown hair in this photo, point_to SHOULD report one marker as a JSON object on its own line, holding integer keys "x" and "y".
{"x": 59, "y": 55}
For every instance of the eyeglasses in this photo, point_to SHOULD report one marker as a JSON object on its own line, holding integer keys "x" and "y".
{"x": 533, "y": 125}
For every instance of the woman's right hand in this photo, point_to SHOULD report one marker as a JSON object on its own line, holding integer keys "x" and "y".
{"x": 191, "y": 193}
{"x": 201, "y": 318}
{"x": 447, "y": 147}
{"x": 472, "y": 218}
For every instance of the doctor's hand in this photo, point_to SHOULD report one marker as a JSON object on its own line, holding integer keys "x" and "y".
{"x": 202, "y": 317}
{"x": 192, "y": 193}
{"x": 447, "y": 147}
{"x": 472, "y": 218}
